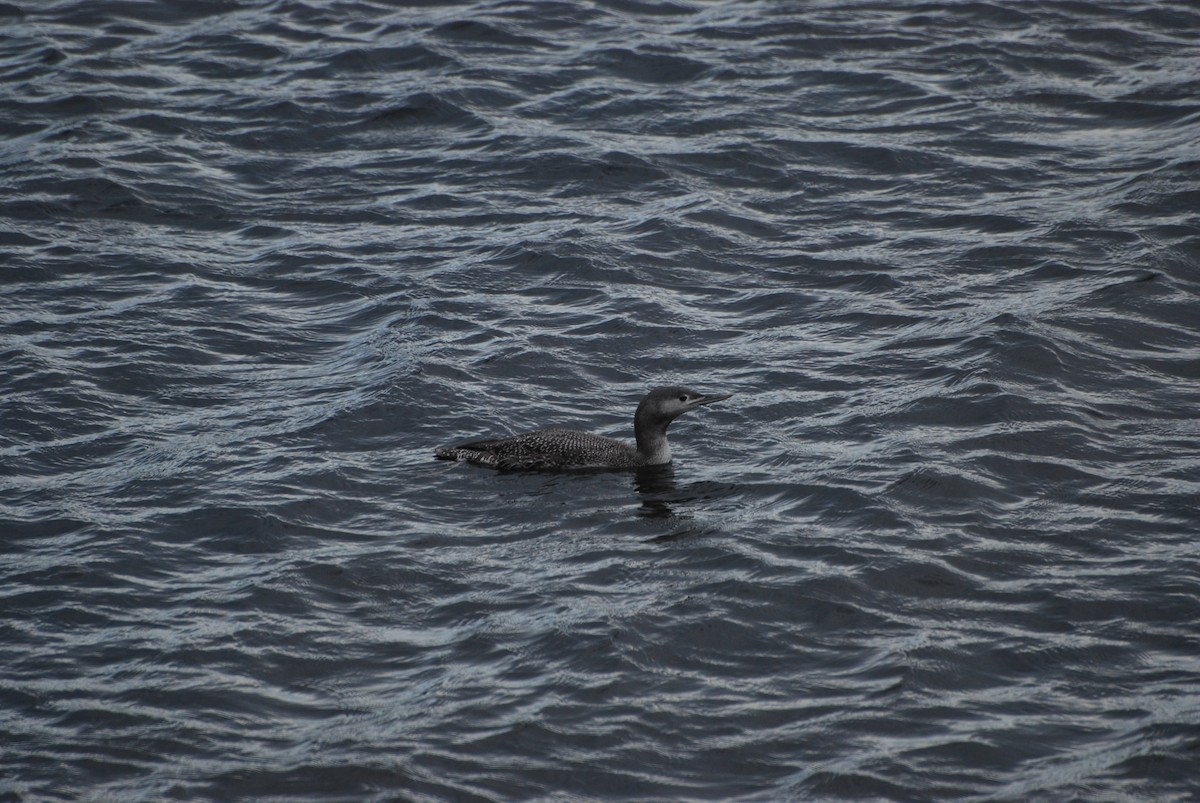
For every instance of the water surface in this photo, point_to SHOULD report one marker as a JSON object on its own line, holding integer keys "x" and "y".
{"x": 260, "y": 258}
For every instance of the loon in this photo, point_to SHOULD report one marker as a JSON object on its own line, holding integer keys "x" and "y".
{"x": 566, "y": 449}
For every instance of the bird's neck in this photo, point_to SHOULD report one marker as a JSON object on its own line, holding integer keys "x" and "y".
{"x": 652, "y": 443}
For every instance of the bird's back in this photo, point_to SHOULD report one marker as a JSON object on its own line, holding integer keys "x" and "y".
{"x": 546, "y": 450}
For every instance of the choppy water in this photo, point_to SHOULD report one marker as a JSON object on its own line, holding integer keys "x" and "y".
{"x": 260, "y": 258}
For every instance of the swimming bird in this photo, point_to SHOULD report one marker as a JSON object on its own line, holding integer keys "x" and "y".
{"x": 567, "y": 449}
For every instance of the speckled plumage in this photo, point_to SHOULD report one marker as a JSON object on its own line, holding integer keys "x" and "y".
{"x": 566, "y": 449}
{"x": 546, "y": 449}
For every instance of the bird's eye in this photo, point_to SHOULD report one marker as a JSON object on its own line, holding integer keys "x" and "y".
{"x": 683, "y": 398}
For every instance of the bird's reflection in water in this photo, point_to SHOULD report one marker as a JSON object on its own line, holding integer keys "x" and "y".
{"x": 660, "y": 496}
{"x": 655, "y": 483}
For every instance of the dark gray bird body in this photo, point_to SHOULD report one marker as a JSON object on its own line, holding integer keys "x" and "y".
{"x": 567, "y": 449}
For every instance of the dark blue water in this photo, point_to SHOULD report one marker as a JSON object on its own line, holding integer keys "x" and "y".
{"x": 258, "y": 259}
